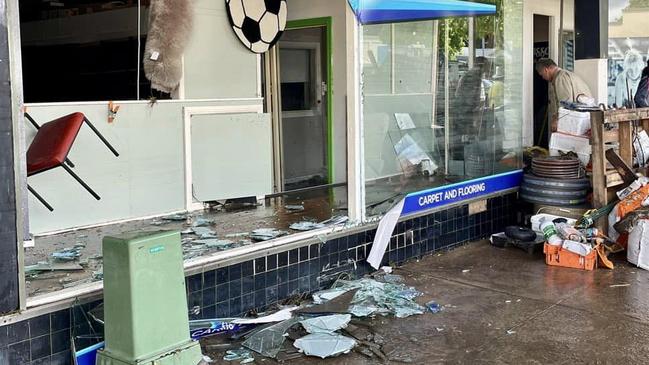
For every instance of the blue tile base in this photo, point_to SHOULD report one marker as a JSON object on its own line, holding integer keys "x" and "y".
{"x": 262, "y": 282}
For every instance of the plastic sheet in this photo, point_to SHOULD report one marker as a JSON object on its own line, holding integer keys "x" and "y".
{"x": 326, "y": 324}
{"x": 205, "y": 328}
{"x": 433, "y": 307}
{"x": 325, "y": 345}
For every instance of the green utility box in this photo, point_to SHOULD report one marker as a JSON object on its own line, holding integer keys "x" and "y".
{"x": 145, "y": 302}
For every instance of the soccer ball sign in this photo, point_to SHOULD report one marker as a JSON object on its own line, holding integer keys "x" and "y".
{"x": 258, "y": 23}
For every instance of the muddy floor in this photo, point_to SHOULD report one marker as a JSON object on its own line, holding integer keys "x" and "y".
{"x": 318, "y": 206}
{"x": 503, "y": 306}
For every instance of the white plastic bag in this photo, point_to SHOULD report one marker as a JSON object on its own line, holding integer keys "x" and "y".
{"x": 573, "y": 122}
{"x": 638, "y": 249}
{"x": 641, "y": 146}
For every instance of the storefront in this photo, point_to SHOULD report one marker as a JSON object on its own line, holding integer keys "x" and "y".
{"x": 440, "y": 101}
{"x": 432, "y": 92}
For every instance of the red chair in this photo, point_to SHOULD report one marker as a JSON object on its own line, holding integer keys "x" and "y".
{"x": 51, "y": 146}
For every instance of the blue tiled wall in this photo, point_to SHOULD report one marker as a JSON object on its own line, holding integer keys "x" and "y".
{"x": 256, "y": 284}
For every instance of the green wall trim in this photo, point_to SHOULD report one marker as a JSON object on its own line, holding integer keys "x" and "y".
{"x": 327, "y": 23}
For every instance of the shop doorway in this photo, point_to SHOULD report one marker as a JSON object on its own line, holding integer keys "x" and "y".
{"x": 541, "y": 50}
{"x": 301, "y": 101}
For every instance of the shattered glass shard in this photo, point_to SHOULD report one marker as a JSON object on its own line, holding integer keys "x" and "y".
{"x": 335, "y": 220}
{"x": 204, "y": 233}
{"x": 237, "y": 235}
{"x": 306, "y": 226}
{"x": 409, "y": 293}
{"x": 55, "y": 266}
{"x": 391, "y": 278}
{"x": 327, "y": 295}
{"x": 67, "y": 254}
{"x": 269, "y": 340}
{"x": 266, "y": 234}
{"x": 201, "y": 222}
{"x": 325, "y": 345}
{"x": 242, "y": 355}
{"x": 326, "y": 324}
{"x": 214, "y": 243}
{"x": 176, "y": 217}
{"x": 376, "y": 298}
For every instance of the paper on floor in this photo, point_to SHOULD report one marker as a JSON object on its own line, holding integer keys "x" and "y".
{"x": 280, "y": 316}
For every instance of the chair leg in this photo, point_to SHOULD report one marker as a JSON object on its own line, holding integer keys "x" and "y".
{"x": 32, "y": 121}
{"x": 40, "y": 198}
{"x": 76, "y": 177}
{"x": 110, "y": 147}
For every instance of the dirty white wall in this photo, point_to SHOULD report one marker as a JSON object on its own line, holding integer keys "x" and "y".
{"x": 306, "y": 9}
{"x": 217, "y": 65}
{"x": 149, "y": 176}
{"x": 147, "y": 179}
{"x": 552, "y": 9}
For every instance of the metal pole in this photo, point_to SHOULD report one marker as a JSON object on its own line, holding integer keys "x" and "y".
{"x": 471, "y": 42}
{"x": 447, "y": 96}
{"x": 561, "y": 45}
{"x": 433, "y": 85}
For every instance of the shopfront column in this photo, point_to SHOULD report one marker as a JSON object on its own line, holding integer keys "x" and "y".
{"x": 10, "y": 170}
{"x": 591, "y": 45}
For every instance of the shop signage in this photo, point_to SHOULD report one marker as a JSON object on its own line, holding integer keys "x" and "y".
{"x": 445, "y": 195}
{"x": 393, "y": 11}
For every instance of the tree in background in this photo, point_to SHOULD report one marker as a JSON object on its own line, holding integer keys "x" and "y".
{"x": 637, "y": 4}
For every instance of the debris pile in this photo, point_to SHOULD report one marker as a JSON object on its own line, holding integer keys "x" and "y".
{"x": 201, "y": 235}
{"x": 333, "y": 324}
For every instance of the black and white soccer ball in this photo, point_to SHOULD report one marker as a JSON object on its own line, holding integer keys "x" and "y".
{"x": 258, "y": 23}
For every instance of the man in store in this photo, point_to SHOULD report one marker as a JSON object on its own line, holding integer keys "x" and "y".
{"x": 564, "y": 86}
{"x": 468, "y": 106}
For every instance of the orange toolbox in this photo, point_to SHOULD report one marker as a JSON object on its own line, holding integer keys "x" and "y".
{"x": 556, "y": 256}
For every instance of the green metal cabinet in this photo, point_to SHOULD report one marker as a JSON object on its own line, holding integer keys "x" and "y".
{"x": 145, "y": 302}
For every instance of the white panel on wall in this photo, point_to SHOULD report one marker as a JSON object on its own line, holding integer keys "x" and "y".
{"x": 150, "y": 166}
{"x": 147, "y": 179}
{"x": 231, "y": 156}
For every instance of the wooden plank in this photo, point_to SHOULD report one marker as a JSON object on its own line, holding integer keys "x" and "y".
{"x": 611, "y": 136}
{"x": 624, "y": 115}
{"x": 625, "y": 171}
{"x": 614, "y": 180}
{"x": 599, "y": 166}
{"x": 626, "y": 143}
{"x": 612, "y": 195}
{"x": 645, "y": 125}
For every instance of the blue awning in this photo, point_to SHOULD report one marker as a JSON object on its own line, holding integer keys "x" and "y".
{"x": 394, "y": 11}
